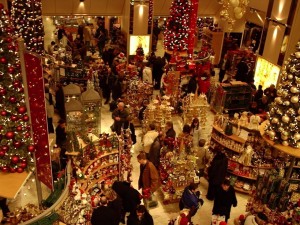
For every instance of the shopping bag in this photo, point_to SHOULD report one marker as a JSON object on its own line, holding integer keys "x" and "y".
{"x": 216, "y": 219}
{"x": 151, "y": 202}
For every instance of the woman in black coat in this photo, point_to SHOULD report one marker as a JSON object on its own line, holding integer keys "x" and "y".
{"x": 216, "y": 173}
{"x": 224, "y": 198}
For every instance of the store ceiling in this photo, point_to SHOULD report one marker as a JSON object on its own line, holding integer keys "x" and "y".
{"x": 116, "y": 7}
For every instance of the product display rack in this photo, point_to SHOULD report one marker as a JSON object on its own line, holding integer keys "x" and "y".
{"x": 242, "y": 176}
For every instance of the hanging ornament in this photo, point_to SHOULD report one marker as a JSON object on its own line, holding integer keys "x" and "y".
{"x": 294, "y": 99}
{"x": 10, "y": 135}
{"x": 15, "y": 159}
{"x": 297, "y": 136}
{"x": 31, "y": 148}
{"x": 22, "y": 109}
{"x": 294, "y": 90}
{"x": 285, "y": 119}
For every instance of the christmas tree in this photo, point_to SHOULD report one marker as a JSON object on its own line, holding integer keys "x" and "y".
{"x": 15, "y": 139}
{"x": 176, "y": 33}
{"x": 284, "y": 115}
{"x": 27, "y": 18}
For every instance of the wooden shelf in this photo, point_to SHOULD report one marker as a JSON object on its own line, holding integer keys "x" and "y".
{"x": 224, "y": 145}
{"x": 232, "y": 137}
{"x": 252, "y": 166}
{"x": 242, "y": 190}
{"x": 293, "y": 179}
{"x": 250, "y": 178}
{"x": 286, "y": 149}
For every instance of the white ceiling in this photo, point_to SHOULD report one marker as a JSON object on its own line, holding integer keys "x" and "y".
{"x": 116, "y": 7}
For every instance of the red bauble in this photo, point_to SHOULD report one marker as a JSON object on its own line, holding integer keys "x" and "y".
{"x": 22, "y": 109}
{"x": 27, "y": 135}
{"x": 15, "y": 159}
{"x": 11, "y": 47}
{"x": 25, "y": 118}
{"x": 2, "y": 153}
{"x": 12, "y": 99}
{"x": 5, "y": 169}
{"x": 11, "y": 69}
{"x": 12, "y": 170}
{"x": 19, "y": 128}
{"x": 1, "y": 6}
{"x": 5, "y": 148}
{"x": 31, "y": 148}
{"x": 3, "y": 60}
{"x": 21, "y": 89}
{"x": 9, "y": 39}
{"x": 17, "y": 144}
{"x": 3, "y": 113}
{"x": 1, "y": 127}
{"x": 9, "y": 135}
{"x": 20, "y": 170}
{"x": 18, "y": 66}
{"x": 3, "y": 91}
{"x": 23, "y": 165}
{"x": 14, "y": 118}
{"x": 16, "y": 84}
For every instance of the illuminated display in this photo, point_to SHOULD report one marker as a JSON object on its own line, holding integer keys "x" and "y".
{"x": 266, "y": 73}
{"x": 139, "y": 41}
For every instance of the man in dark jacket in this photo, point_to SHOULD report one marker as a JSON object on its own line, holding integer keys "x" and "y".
{"x": 224, "y": 198}
{"x": 154, "y": 153}
{"x": 104, "y": 215}
{"x": 216, "y": 173}
{"x": 120, "y": 117}
{"x": 170, "y": 132}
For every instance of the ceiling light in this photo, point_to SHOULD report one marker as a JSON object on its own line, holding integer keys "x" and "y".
{"x": 81, "y": 0}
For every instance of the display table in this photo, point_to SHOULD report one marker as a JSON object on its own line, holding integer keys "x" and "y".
{"x": 11, "y": 183}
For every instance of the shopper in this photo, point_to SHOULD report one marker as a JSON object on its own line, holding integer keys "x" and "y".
{"x": 185, "y": 139}
{"x": 242, "y": 70}
{"x": 60, "y": 101}
{"x": 224, "y": 198}
{"x": 258, "y": 219}
{"x": 140, "y": 217}
{"x": 191, "y": 200}
{"x": 154, "y": 153}
{"x": 216, "y": 172}
{"x": 203, "y": 157}
{"x": 147, "y": 74}
{"x": 104, "y": 215}
{"x": 131, "y": 198}
{"x": 61, "y": 139}
{"x": 195, "y": 132}
{"x": 101, "y": 38}
{"x": 259, "y": 93}
{"x": 148, "y": 178}
{"x": 271, "y": 93}
{"x": 115, "y": 203}
{"x": 170, "y": 132}
{"x": 120, "y": 117}
{"x": 149, "y": 138}
{"x": 224, "y": 65}
{"x": 5, "y": 209}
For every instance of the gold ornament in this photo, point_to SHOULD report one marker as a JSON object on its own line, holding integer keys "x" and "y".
{"x": 297, "y": 54}
{"x": 278, "y": 100}
{"x": 287, "y": 103}
{"x": 271, "y": 134}
{"x": 290, "y": 76}
{"x": 294, "y": 99}
{"x": 285, "y": 143}
{"x": 297, "y": 136}
{"x": 283, "y": 137}
{"x": 275, "y": 120}
{"x": 285, "y": 119}
{"x": 294, "y": 90}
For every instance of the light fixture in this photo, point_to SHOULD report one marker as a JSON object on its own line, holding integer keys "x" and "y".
{"x": 81, "y": 0}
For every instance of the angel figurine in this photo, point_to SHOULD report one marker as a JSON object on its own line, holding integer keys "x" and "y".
{"x": 246, "y": 156}
{"x": 254, "y": 122}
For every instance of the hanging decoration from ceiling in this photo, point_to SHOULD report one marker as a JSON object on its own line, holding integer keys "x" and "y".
{"x": 232, "y": 10}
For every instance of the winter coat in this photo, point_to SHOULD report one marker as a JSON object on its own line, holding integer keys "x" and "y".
{"x": 130, "y": 196}
{"x": 104, "y": 215}
{"x": 117, "y": 206}
{"x": 121, "y": 123}
{"x": 154, "y": 153}
{"x": 223, "y": 201}
{"x": 189, "y": 199}
{"x": 218, "y": 169}
{"x": 147, "y": 75}
{"x": 148, "y": 177}
{"x": 203, "y": 157}
{"x": 171, "y": 133}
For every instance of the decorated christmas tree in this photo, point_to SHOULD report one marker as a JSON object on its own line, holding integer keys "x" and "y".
{"x": 177, "y": 28}
{"x": 15, "y": 139}
{"x": 27, "y": 18}
{"x": 284, "y": 115}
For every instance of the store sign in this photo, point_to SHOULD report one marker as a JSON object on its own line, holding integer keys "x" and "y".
{"x": 37, "y": 109}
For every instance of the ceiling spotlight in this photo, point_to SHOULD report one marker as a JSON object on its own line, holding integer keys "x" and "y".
{"x": 81, "y": 0}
